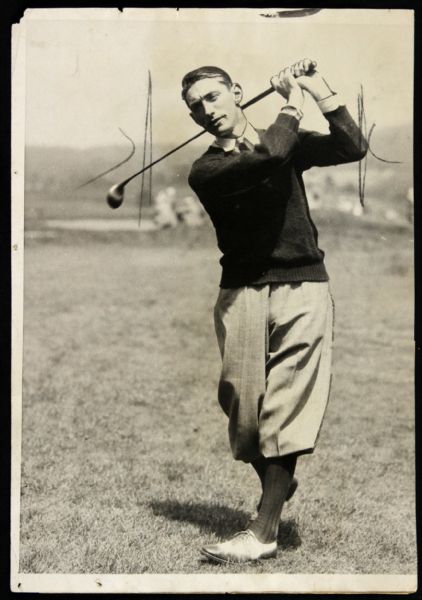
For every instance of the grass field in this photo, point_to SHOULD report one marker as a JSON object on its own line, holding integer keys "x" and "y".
{"x": 126, "y": 465}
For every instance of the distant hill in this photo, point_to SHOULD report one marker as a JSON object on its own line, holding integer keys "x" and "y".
{"x": 58, "y": 171}
{"x": 56, "y": 168}
{"x": 388, "y": 181}
{"x": 393, "y": 143}
{"x": 68, "y": 166}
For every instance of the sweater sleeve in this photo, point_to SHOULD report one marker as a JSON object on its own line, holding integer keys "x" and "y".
{"x": 345, "y": 143}
{"x": 232, "y": 173}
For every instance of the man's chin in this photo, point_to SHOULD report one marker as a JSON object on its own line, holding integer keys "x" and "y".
{"x": 221, "y": 130}
{"x": 224, "y": 132}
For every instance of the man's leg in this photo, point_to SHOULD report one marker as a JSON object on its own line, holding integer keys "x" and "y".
{"x": 298, "y": 377}
{"x": 240, "y": 324}
{"x": 260, "y": 539}
{"x": 298, "y": 368}
{"x": 277, "y": 483}
{"x": 260, "y": 467}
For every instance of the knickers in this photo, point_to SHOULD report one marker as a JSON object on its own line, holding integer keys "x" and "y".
{"x": 276, "y": 343}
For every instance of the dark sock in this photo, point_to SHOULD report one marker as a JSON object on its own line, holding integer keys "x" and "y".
{"x": 260, "y": 467}
{"x": 278, "y": 477}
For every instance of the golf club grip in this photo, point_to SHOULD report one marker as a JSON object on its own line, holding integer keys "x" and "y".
{"x": 270, "y": 90}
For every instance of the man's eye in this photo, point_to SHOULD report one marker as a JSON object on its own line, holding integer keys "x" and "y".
{"x": 213, "y": 97}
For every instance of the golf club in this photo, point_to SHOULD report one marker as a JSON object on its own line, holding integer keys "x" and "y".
{"x": 115, "y": 194}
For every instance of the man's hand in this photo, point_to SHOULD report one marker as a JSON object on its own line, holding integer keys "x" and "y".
{"x": 310, "y": 80}
{"x": 305, "y": 76}
{"x": 287, "y": 86}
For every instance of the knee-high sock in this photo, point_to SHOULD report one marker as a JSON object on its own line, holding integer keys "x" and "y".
{"x": 260, "y": 467}
{"x": 278, "y": 478}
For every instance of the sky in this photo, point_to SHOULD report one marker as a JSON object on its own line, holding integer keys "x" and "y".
{"x": 86, "y": 69}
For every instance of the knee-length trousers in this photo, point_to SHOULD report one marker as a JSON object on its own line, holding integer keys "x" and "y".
{"x": 275, "y": 342}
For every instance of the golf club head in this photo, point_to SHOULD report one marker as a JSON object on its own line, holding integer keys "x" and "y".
{"x": 115, "y": 196}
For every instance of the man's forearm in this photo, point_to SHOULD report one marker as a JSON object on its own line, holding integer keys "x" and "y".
{"x": 345, "y": 142}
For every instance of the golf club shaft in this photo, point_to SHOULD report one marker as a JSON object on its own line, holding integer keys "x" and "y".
{"x": 248, "y": 103}
{"x": 115, "y": 195}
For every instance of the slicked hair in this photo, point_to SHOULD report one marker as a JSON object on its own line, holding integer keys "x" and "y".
{"x": 204, "y": 73}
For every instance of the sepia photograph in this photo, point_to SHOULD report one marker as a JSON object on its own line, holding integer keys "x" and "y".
{"x": 213, "y": 301}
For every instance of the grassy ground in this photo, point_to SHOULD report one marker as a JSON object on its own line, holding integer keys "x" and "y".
{"x": 126, "y": 465}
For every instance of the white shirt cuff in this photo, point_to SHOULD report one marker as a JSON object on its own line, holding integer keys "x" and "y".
{"x": 330, "y": 103}
{"x": 293, "y": 111}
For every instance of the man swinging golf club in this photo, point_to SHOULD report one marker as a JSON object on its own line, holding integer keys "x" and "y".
{"x": 274, "y": 313}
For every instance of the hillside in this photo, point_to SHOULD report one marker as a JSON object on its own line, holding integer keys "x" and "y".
{"x": 53, "y": 175}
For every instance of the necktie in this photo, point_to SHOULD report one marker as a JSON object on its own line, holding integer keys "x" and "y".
{"x": 245, "y": 146}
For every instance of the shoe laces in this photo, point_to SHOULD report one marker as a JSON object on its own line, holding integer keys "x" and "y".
{"x": 246, "y": 532}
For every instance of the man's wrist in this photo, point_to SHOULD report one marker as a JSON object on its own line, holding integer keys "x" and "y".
{"x": 293, "y": 111}
{"x": 319, "y": 88}
{"x": 330, "y": 102}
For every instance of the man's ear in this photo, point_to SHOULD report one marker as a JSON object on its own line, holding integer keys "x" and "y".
{"x": 237, "y": 93}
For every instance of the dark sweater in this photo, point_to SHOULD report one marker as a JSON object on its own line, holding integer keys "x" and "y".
{"x": 257, "y": 201}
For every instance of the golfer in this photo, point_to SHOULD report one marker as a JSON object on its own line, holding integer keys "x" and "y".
{"x": 274, "y": 312}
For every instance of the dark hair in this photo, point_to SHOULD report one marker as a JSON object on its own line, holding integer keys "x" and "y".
{"x": 203, "y": 73}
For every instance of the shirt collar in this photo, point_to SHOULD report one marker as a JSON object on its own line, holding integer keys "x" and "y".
{"x": 229, "y": 144}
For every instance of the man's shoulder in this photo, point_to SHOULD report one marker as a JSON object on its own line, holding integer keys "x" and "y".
{"x": 203, "y": 163}
{"x": 210, "y": 153}
{"x": 302, "y": 133}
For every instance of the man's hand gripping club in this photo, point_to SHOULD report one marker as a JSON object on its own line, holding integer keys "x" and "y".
{"x": 291, "y": 82}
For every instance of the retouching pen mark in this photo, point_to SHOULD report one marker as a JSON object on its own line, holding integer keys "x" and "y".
{"x": 289, "y": 14}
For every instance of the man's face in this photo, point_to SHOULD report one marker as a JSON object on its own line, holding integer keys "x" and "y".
{"x": 214, "y": 106}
